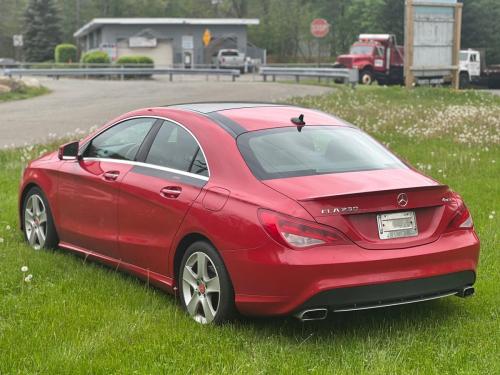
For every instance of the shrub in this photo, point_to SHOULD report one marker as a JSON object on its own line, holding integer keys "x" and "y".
{"x": 130, "y": 61}
{"x": 65, "y": 53}
{"x": 136, "y": 62}
{"x": 96, "y": 57}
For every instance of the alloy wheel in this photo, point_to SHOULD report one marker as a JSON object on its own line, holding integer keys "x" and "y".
{"x": 35, "y": 222}
{"x": 201, "y": 287}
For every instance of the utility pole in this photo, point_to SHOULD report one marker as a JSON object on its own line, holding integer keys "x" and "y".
{"x": 409, "y": 36}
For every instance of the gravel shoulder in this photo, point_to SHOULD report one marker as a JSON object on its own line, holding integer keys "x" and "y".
{"x": 77, "y": 105}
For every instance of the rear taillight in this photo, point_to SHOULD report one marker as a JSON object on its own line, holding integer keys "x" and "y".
{"x": 297, "y": 233}
{"x": 462, "y": 218}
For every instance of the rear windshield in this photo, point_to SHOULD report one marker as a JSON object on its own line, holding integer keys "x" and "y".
{"x": 284, "y": 152}
{"x": 229, "y": 53}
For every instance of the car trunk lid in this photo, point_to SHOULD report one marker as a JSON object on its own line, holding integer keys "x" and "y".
{"x": 352, "y": 201}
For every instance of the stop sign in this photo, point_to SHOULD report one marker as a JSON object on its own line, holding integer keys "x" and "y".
{"x": 320, "y": 27}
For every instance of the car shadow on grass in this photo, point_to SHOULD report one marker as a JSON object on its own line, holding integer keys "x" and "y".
{"x": 361, "y": 324}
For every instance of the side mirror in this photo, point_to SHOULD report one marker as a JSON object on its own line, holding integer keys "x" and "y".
{"x": 69, "y": 151}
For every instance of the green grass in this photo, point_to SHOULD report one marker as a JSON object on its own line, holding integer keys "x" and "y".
{"x": 26, "y": 93}
{"x": 76, "y": 317}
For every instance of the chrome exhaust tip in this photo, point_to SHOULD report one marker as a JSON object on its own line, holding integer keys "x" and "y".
{"x": 468, "y": 291}
{"x": 312, "y": 314}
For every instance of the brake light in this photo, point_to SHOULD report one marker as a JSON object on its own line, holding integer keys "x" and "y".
{"x": 462, "y": 218}
{"x": 297, "y": 233}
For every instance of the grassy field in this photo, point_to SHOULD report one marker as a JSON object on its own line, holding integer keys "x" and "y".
{"x": 26, "y": 93}
{"x": 76, "y": 318}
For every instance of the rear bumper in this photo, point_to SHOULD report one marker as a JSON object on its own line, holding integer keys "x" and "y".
{"x": 395, "y": 293}
{"x": 274, "y": 280}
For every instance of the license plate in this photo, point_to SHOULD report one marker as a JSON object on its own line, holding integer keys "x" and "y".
{"x": 397, "y": 225}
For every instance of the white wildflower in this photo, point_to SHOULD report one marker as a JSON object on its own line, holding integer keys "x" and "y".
{"x": 24, "y": 269}
{"x": 28, "y": 278}
{"x": 7, "y": 227}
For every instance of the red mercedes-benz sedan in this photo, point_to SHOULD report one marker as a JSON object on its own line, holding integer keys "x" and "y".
{"x": 258, "y": 208}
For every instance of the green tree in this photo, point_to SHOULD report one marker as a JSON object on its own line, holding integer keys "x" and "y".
{"x": 481, "y": 29}
{"x": 41, "y": 30}
{"x": 390, "y": 17}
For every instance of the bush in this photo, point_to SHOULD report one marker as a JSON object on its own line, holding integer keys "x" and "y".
{"x": 65, "y": 53}
{"x": 130, "y": 61}
{"x": 136, "y": 62}
{"x": 96, "y": 57}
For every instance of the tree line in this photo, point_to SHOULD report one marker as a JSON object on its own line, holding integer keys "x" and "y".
{"x": 284, "y": 28}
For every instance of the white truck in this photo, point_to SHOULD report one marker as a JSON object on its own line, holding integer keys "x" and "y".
{"x": 229, "y": 59}
{"x": 473, "y": 70}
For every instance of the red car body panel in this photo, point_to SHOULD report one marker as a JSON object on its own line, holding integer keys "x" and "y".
{"x": 127, "y": 223}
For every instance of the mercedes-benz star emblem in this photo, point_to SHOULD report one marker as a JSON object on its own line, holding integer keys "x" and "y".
{"x": 402, "y": 199}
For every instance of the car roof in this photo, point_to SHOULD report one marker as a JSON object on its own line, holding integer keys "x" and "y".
{"x": 241, "y": 117}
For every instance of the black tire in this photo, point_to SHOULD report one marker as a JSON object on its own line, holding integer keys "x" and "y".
{"x": 463, "y": 82}
{"x": 366, "y": 77}
{"x": 225, "y": 309}
{"x": 51, "y": 239}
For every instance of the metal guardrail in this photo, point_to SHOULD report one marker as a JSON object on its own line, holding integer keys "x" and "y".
{"x": 119, "y": 72}
{"x": 346, "y": 75}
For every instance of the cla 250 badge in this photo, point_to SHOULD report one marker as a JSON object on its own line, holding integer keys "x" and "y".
{"x": 339, "y": 210}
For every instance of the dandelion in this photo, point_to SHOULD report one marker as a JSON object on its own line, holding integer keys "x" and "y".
{"x": 491, "y": 217}
{"x": 28, "y": 278}
{"x": 24, "y": 269}
{"x": 7, "y": 227}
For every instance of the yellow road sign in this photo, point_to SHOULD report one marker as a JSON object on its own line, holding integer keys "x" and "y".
{"x": 207, "y": 37}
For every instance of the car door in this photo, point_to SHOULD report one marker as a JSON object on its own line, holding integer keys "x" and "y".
{"x": 88, "y": 187}
{"x": 156, "y": 196}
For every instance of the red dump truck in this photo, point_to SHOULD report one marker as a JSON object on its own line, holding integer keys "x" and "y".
{"x": 377, "y": 57}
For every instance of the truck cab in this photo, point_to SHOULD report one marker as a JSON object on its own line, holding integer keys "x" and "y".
{"x": 470, "y": 67}
{"x": 377, "y": 57}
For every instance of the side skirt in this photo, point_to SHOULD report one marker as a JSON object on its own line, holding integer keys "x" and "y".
{"x": 153, "y": 278}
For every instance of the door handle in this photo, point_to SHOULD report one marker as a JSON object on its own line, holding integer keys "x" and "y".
{"x": 171, "y": 192}
{"x": 111, "y": 175}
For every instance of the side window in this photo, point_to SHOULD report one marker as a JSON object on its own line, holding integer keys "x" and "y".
{"x": 122, "y": 141}
{"x": 175, "y": 148}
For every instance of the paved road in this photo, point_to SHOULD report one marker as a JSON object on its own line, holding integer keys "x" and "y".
{"x": 494, "y": 92}
{"x": 81, "y": 104}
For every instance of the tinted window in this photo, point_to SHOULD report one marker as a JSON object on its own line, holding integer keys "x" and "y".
{"x": 175, "y": 148}
{"x": 284, "y": 152}
{"x": 122, "y": 141}
{"x": 229, "y": 53}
